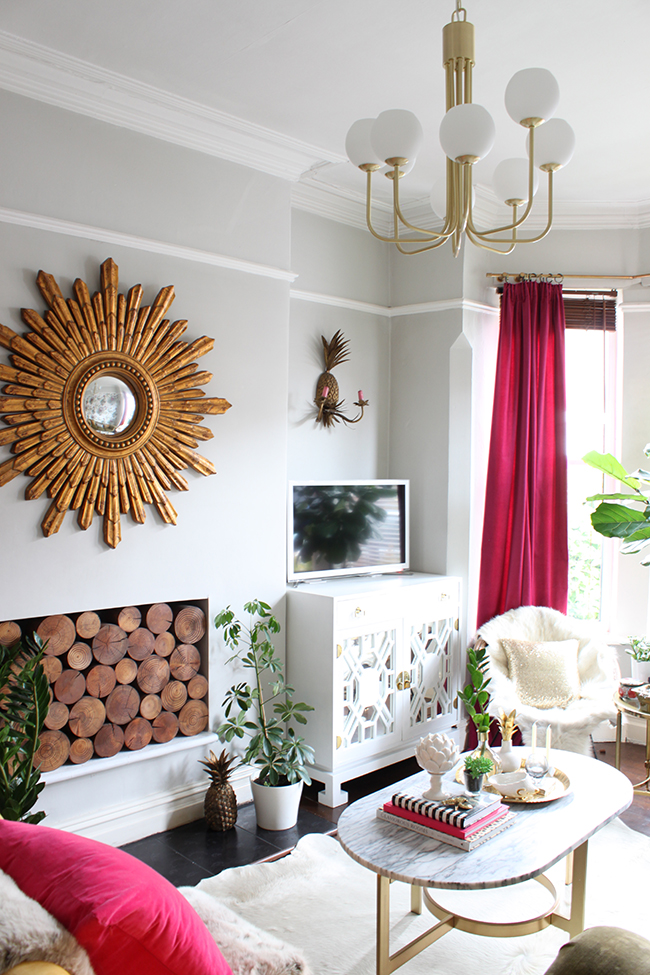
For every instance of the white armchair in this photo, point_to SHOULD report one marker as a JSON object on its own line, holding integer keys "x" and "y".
{"x": 512, "y": 675}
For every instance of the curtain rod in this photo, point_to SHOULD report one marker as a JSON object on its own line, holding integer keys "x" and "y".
{"x": 502, "y": 276}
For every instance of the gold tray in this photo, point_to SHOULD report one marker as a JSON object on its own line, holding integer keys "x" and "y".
{"x": 554, "y": 787}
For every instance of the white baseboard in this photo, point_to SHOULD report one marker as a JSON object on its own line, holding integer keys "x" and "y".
{"x": 126, "y": 822}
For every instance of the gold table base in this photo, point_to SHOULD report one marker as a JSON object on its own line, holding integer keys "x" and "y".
{"x": 573, "y": 924}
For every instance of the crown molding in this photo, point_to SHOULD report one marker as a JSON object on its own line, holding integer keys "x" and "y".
{"x": 395, "y": 311}
{"x": 344, "y": 206}
{"x": 340, "y": 204}
{"x": 39, "y": 72}
{"x": 55, "y": 225}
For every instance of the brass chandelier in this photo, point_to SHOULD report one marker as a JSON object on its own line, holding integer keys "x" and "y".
{"x": 390, "y": 144}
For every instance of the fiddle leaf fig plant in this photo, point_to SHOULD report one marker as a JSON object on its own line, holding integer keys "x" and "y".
{"x": 616, "y": 516}
{"x": 24, "y": 702}
{"x": 475, "y": 694}
{"x": 263, "y": 710}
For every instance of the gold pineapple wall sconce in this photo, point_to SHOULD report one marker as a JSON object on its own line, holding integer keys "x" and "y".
{"x": 102, "y": 404}
{"x": 327, "y": 389}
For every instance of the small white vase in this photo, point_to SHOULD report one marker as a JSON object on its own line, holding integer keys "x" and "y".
{"x": 641, "y": 670}
{"x": 508, "y": 760}
{"x": 276, "y": 806}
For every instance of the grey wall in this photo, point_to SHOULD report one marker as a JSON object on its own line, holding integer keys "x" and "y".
{"x": 346, "y": 266}
{"x": 228, "y": 545}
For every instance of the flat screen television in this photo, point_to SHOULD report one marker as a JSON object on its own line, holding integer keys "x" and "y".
{"x": 339, "y": 528}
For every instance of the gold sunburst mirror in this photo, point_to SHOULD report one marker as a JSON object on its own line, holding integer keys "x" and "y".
{"x": 102, "y": 403}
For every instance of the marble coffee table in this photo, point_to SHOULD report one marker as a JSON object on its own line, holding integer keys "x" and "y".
{"x": 540, "y": 836}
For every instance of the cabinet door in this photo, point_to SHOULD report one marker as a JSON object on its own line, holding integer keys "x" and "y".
{"x": 365, "y": 680}
{"x": 431, "y": 654}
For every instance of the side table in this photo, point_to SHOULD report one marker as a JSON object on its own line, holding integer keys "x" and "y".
{"x": 624, "y": 707}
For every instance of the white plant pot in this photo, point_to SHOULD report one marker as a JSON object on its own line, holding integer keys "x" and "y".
{"x": 641, "y": 670}
{"x": 276, "y": 806}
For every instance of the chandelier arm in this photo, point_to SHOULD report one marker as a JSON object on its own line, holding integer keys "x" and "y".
{"x": 495, "y": 250}
{"x": 517, "y": 221}
{"x": 386, "y": 240}
{"x": 528, "y": 240}
{"x": 443, "y": 235}
{"x": 418, "y": 250}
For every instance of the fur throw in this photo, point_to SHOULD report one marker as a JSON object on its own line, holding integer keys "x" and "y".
{"x": 247, "y": 949}
{"x": 29, "y": 933}
{"x": 597, "y": 667}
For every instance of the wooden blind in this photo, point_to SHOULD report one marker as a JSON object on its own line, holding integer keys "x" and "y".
{"x": 588, "y": 309}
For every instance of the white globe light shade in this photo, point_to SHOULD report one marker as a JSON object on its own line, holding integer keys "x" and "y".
{"x": 510, "y": 180}
{"x": 357, "y": 143}
{"x": 532, "y": 93}
{"x": 555, "y": 143}
{"x": 467, "y": 130}
{"x": 438, "y": 197}
{"x": 396, "y": 134}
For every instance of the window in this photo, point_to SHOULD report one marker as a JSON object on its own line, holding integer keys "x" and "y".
{"x": 591, "y": 345}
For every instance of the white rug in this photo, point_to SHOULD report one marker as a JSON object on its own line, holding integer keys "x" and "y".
{"x": 323, "y": 902}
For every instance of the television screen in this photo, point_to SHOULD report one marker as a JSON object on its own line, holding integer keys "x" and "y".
{"x": 347, "y": 528}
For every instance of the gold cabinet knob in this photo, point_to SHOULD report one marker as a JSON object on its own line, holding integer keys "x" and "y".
{"x": 403, "y": 680}
{"x": 358, "y": 611}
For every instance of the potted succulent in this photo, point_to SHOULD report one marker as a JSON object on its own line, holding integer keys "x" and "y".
{"x": 639, "y": 650}
{"x": 264, "y": 711}
{"x": 24, "y": 702}
{"x": 476, "y": 768}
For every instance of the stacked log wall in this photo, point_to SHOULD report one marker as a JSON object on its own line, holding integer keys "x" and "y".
{"x": 120, "y": 678}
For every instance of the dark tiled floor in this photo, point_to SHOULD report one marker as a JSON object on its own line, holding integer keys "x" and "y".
{"x": 187, "y": 854}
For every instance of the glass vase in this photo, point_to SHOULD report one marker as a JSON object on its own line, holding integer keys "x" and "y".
{"x": 484, "y": 751}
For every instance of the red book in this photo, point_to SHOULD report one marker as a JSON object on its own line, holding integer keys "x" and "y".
{"x": 437, "y": 826}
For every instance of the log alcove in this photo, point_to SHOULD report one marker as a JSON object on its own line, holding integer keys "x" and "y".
{"x": 121, "y": 679}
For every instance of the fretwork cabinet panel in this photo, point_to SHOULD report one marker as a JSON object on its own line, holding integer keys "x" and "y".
{"x": 378, "y": 658}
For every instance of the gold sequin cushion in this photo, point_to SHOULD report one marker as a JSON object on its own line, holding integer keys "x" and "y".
{"x": 545, "y": 674}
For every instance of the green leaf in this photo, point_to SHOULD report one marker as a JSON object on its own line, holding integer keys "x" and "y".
{"x": 608, "y": 464}
{"x": 617, "y": 497}
{"x": 617, "y": 520}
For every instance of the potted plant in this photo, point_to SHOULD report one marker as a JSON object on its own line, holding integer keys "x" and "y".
{"x": 24, "y": 702}
{"x": 475, "y": 697}
{"x": 639, "y": 650}
{"x": 263, "y": 711}
{"x": 476, "y": 768}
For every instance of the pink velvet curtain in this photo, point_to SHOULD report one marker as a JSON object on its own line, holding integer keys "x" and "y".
{"x": 524, "y": 556}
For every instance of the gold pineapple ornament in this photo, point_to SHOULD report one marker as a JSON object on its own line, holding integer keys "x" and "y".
{"x": 220, "y": 804}
{"x": 327, "y": 388}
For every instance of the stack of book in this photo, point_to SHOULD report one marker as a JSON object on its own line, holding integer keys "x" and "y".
{"x": 450, "y": 821}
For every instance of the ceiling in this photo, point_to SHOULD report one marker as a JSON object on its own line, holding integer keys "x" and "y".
{"x": 297, "y": 73}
